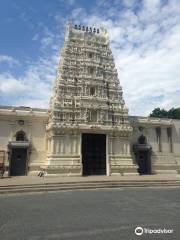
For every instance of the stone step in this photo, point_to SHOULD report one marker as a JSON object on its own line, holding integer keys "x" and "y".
{"x": 83, "y": 186}
{"x": 87, "y": 182}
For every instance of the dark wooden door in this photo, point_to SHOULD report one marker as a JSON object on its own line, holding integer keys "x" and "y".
{"x": 143, "y": 162}
{"x": 94, "y": 154}
{"x": 18, "y": 162}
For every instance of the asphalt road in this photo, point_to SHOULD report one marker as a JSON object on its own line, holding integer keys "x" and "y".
{"x": 91, "y": 215}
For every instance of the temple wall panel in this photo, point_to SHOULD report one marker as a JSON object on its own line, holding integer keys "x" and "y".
{"x": 164, "y": 141}
{"x": 176, "y": 137}
{"x": 152, "y": 138}
{"x": 35, "y": 133}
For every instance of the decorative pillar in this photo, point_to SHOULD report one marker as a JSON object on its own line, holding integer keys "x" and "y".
{"x": 128, "y": 148}
{"x": 110, "y": 145}
{"x": 74, "y": 144}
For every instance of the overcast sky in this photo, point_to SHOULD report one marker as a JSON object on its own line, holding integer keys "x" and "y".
{"x": 145, "y": 40}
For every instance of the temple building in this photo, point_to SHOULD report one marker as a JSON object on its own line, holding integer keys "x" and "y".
{"x": 87, "y": 130}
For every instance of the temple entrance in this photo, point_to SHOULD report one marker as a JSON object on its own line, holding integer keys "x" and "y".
{"x": 94, "y": 154}
{"x": 18, "y": 165}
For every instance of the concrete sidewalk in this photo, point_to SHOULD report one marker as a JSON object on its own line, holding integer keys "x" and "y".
{"x": 26, "y": 180}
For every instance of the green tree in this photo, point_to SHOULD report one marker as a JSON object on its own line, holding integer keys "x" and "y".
{"x": 173, "y": 113}
{"x": 176, "y": 113}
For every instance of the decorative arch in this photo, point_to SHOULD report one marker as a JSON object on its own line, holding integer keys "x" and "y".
{"x": 20, "y": 136}
{"x": 142, "y": 139}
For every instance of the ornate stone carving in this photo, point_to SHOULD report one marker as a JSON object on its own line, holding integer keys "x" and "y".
{"x": 87, "y": 97}
{"x": 87, "y": 62}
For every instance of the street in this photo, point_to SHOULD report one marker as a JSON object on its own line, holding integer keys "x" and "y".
{"x": 98, "y": 214}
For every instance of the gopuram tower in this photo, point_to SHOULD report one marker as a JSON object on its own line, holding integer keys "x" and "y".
{"x": 88, "y": 129}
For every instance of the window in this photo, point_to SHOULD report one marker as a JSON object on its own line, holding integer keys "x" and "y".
{"x": 21, "y": 122}
{"x": 20, "y": 136}
{"x": 99, "y": 72}
{"x": 90, "y": 55}
{"x": 140, "y": 128}
{"x": 75, "y": 80}
{"x": 107, "y": 89}
{"x": 61, "y": 117}
{"x": 92, "y": 91}
{"x": 113, "y": 119}
{"x": 91, "y": 70}
{"x": 93, "y": 115}
{"x": 142, "y": 140}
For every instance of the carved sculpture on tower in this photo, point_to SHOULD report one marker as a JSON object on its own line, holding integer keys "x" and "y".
{"x": 88, "y": 129}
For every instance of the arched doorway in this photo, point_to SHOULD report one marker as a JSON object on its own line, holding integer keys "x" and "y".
{"x": 19, "y": 154}
{"x": 142, "y": 152}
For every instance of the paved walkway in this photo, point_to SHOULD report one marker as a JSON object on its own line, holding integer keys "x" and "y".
{"x": 22, "y": 180}
{"x": 90, "y": 215}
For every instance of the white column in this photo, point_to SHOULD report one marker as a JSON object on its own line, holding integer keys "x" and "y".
{"x": 120, "y": 146}
{"x": 74, "y": 144}
{"x": 110, "y": 145}
{"x": 48, "y": 145}
{"x": 57, "y": 145}
{"x": 63, "y": 144}
{"x": 60, "y": 144}
{"x": 78, "y": 145}
{"x": 52, "y": 145}
{"x": 123, "y": 148}
{"x": 128, "y": 148}
{"x": 107, "y": 156}
{"x": 67, "y": 146}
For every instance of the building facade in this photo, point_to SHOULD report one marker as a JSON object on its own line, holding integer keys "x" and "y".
{"x": 87, "y": 130}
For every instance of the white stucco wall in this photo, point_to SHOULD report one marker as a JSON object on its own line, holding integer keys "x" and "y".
{"x": 34, "y": 127}
{"x": 176, "y": 141}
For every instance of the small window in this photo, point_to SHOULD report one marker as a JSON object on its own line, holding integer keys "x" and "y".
{"x": 92, "y": 91}
{"x": 141, "y": 129}
{"x": 21, "y": 122}
{"x": 75, "y": 80}
{"x": 142, "y": 140}
{"x": 90, "y": 55}
{"x": 20, "y": 136}
{"x": 61, "y": 117}
{"x": 113, "y": 119}
{"x": 91, "y": 70}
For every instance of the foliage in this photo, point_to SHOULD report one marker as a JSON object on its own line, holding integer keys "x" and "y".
{"x": 173, "y": 113}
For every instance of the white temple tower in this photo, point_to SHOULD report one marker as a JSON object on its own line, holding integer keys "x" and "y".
{"x": 88, "y": 132}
